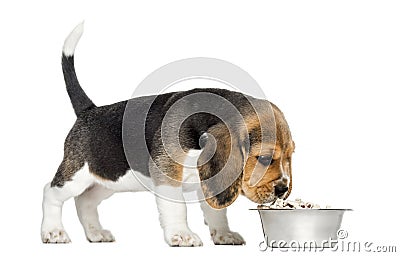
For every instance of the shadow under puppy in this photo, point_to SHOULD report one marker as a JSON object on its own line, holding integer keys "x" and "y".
{"x": 237, "y": 144}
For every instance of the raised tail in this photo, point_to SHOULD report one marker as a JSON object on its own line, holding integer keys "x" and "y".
{"x": 80, "y": 101}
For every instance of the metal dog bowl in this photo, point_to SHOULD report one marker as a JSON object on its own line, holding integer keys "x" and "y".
{"x": 285, "y": 228}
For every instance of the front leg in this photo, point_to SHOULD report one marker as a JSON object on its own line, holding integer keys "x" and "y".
{"x": 217, "y": 222}
{"x": 172, "y": 208}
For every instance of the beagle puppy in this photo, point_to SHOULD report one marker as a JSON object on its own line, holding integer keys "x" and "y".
{"x": 237, "y": 144}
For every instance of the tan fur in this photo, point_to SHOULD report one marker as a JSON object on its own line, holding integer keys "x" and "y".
{"x": 172, "y": 175}
{"x": 268, "y": 134}
{"x": 228, "y": 159}
{"x": 282, "y": 152}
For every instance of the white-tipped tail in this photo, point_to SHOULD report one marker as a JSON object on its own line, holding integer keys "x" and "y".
{"x": 72, "y": 40}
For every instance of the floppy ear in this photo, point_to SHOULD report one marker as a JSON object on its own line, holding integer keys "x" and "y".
{"x": 221, "y": 166}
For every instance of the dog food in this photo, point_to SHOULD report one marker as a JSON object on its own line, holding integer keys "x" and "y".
{"x": 288, "y": 204}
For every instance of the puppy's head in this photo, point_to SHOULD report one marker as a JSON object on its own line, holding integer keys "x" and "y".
{"x": 267, "y": 173}
{"x": 254, "y": 159}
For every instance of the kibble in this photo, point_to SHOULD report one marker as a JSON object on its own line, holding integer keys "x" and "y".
{"x": 288, "y": 204}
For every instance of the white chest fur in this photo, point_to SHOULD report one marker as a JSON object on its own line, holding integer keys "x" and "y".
{"x": 134, "y": 181}
{"x": 191, "y": 180}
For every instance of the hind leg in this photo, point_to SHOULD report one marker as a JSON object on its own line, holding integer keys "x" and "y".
{"x": 54, "y": 196}
{"x": 86, "y": 207}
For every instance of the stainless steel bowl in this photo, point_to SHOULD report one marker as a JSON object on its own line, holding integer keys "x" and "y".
{"x": 301, "y": 227}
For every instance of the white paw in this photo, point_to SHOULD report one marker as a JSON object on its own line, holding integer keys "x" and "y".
{"x": 99, "y": 235}
{"x": 56, "y": 236}
{"x": 227, "y": 237}
{"x": 183, "y": 238}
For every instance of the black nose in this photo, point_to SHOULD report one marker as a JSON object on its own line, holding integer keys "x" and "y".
{"x": 280, "y": 190}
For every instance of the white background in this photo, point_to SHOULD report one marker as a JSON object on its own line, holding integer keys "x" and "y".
{"x": 332, "y": 67}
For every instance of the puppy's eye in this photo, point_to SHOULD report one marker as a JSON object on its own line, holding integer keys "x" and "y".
{"x": 265, "y": 159}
